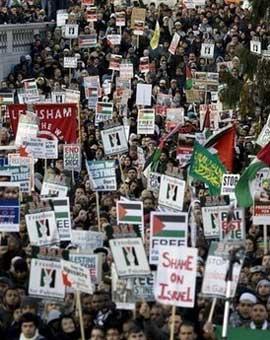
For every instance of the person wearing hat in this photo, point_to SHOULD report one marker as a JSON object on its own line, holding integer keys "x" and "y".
{"x": 263, "y": 290}
{"x": 241, "y": 316}
{"x": 256, "y": 274}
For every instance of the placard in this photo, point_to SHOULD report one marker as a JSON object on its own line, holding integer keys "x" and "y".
{"x": 171, "y": 192}
{"x": 9, "y": 207}
{"x": 144, "y": 94}
{"x": 176, "y": 276}
{"x": 41, "y": 148}
{"x": 114, "y": 140}
{"x": 115, "y": 61}
{"x": 42, "y": 229}
{"x": 129, "y": 212}
{"x": 102, "y": 175}
{"x": 87, "y": 240}
{"x": 232, "y": 224}
{"x": 174, "y": 43}
{"x": 70, "y": 62}
{"x": 61, "y": 209}
{"x": 45, "y": 279}
{"x": 49, "y": 189}
{"x": 146, "y": 122}
{"x": 129, "y": 257}
{"x": 207, "y": 51}
{"x": 72, "y": 157}
{"x": 91, "y": 261}
{"x": 255, "y": 47}
{"x": 76, "y": 277}
{"x": 71, "y": 31}
{"x": 137, "y": 14}
{"x": 229, "y": 182}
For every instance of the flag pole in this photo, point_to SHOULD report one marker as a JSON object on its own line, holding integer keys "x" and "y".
{"x": 265, "y": 243}
{"x": 98, "y": 211}
{"x": 212, "y": 310}
{"x": 173, "y": 323}
{"x": 79, "y": 122}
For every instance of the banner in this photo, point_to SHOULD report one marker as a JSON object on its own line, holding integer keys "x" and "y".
{"x": 72, "y": 157}
{"x": 114, "y": 140}
{"x": 42, "y": 229}
{"x": 57, "y": 121}
{"x": 129, "y": 257}
{"x": 171, "y": 192}
{"x": 45, "y": 279}
{"x": 18, "y": 174}
{"x": 167, "y": 229}
{"x": 62, "y": 217}
{"x": 102, "y": 175}
{"x": 9, "y": 207}
{"x": 146, "y": 122}
{"x": 207, "y": 168}
{"x": 76, "y": 277}
{"x": 176, "y": 276}
{"x": 91, "y": 261}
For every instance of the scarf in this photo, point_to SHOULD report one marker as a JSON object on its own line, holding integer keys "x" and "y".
{"x": 263, "y": 327}
{"x": 22, "y": 337}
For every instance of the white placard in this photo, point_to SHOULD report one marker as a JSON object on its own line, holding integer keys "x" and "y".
{"x": 207, "y": 51}
{"x": 144, "y": 94}
{"x": 70, "y": 62}
{"x": 114, "y": 140}
{"x": 71, "y": 31}
{"x": 76, "y": 277}
{"x": 255, "y": 47}
{"x": 171, "y": 192}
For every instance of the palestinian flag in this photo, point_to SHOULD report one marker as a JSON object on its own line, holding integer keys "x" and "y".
{"x": 104, "y": 108}
{"x": 129, "y": 212}
{"x": 87, "y": 40}
{"x": 223, "y": 142}
{"x": 188, "y": 84}
{"x": 243, "y": 191}
{"x": 29, "y": 84}
{"x": 171, "y": 225}
{"x": 6, "y": 98}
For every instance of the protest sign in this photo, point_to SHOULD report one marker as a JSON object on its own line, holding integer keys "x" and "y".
{"x": 126, "y": 71}
{"x": 211, "y": 223}
{"x": 91, "y": 14}
{"x": 176, "y": 276}
{"x": 129, "y": 212}
{"x": 171, "y": 192}
{"x": 120, "y": 19}
{"x": 115, "y": 61}
{"x": 102, "y": 175}
{"x": 214, "y": 279}
{"x": 174, "y": 116}
{"x": 129, "y": 257}
{"x": 144, "y": 65}
{"x": 20, "y": 175}
{"x": 62, "y": 217}
{"x": 76, "y": 277}
{"x": 153, "y": 182}
{"x": 71, "y": 31}
{"x": 49, "y": 189}
{"x": 122, "y": 291}
{"x": 61, "y": 18}
{"x": 232, "y": 224}
{"x": 122, "y": 231}
{"x": 41, "y": 148}
{"x": 261, "y": 210}
{"x": 212, "y": 109}
{"x": 87, "y": 240}
{"x": 138, "y": 27}
{"x": 42, "y": 228}
{"x": 174, "y": 43}
{"x": 229, "y": 182}
{"x": 72, "y": 157}
{"x": 87, "y": 2}
{"x": 207, "y": 50}
{"x": 58, "y": 97}
{"x": 184, "y": 154}
{"x": 15, "y": 159}
{"x": 9, "y": 207}
{"x": 70, "y": 62}
{"x": 264, "y": 136}
{"x": 146, "y": 122}
{"x": 45, "y": 279}
{"x": 190, "y": 4}
{"x": 114, "y": 39}
{"x": 255, "y": 47}
{"x": 104, "y": 111}
{"x": 114, "y": 140}
{"x": 91, "y": 261}
{"x": 72, "y": 96}
{"x": 144, "y": 288}
{"x": 167, "y": 229}
{"x": 87, "y": 40}
{"x": 144, "y": 94}
{"x": 26, "y": 128}
{"x": 56, "y": 121}
{"x": 6, "y": 98}
{"x": 137, "y": 14}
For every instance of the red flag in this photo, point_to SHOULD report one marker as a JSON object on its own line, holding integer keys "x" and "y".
{"x": 56, "y": 121}
{"x": 223, "y": 142}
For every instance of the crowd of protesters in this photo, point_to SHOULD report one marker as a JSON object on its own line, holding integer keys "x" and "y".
{"x": 229, "y": 27}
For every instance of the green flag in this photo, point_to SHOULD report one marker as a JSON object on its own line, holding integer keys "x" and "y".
{"x": 207, "y": 168}
{"x": 243, "y": 333}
